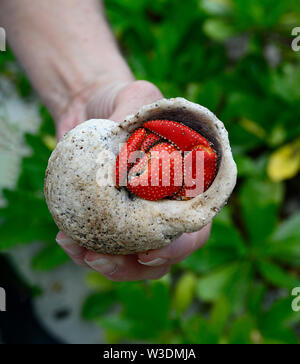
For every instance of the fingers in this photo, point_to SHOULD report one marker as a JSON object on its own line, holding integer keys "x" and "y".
{"x": 153, "y": 264}
{"x": 114, "y": 267}
{"x": 75, "y": 115}
{"x": 177, "y": 251}
{"x": 74, "y": 251}
{"x": 123, "y": 268}
{"x": 102, "y": 104}
{"x": 132, "y": 97}
{"x": 114, "y": 101}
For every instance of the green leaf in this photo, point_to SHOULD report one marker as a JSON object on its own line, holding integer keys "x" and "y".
{"x": 184, "y": 292}
{"x": 121, "y": 326}
{"x": 98, "y": 304}
{"x": 285, "y": 252}
{"x": 225, "y": 246}
{"x": 148, "y": 304}
{"x": 207, "y": 259}
{"x": 216, "y": 7}
{"x": 277, "y": 276}
{"x": 247, "y": 167}
{"x": 99, "y": 282}
{"x": 207, "y": 93}
{"x": 27, "y": 231}
{"x": 49, "y": 257}
{"x": 219, "y": 316}
{"x": 250, "y": 14}
{"x": 232, "y": 281}
{"x": 199, "y": 331}
{"x": 285, "y": 83}
{"x": 237, "y": 290}
{"x": 218, "y": 29}
{"x": 289, "y": 229}
{"x": 260, "y": 201}
{"x": 276, "y": 324}
{"x": 25, "y": 217}
{"x": 211, "y": 286}
{"x": 47, "y": 126}
{"x": 256, "y": 297}
{"x": 284, "y": 246}
{"x": 241, "y": 331}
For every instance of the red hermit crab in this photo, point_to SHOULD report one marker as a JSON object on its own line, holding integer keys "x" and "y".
{"x": 162, "y": 159}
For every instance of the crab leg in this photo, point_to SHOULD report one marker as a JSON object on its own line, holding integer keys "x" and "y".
{"x": 154, "y": 177}
{"x": 123, "y": 163}
{"x": 210, "y": 161}
{"x": 181, "y": 135}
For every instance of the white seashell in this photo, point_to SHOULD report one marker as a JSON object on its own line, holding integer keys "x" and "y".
{"x": 88, "y": 208}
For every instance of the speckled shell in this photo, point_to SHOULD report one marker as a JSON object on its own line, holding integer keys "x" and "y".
{"x": 104, "y": 219}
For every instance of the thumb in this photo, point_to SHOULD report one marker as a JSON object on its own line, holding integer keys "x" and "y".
{"x": 132, "y": 97}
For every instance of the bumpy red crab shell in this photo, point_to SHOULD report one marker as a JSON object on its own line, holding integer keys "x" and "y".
{"x": 160, "y": 158}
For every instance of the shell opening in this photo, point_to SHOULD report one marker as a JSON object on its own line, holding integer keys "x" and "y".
{"x": 188, "y": 118}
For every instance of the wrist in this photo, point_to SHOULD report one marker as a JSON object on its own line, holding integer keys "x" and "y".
{"x": 77, "y": 93}
{"x": 67, "y": 49}
{"x": 96, "y": 100}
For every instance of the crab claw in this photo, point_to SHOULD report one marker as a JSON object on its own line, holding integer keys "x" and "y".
{"x": 123, "y": 161}
{"x": 149, "y": 141}
{"x": 181, "y": 135}
{"x": 157, "y": 174}
{"x": 194, "y": 169}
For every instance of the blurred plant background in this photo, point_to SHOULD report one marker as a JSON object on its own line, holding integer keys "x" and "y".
{"x": 234, "y": 57}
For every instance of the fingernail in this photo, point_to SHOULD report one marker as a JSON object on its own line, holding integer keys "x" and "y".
{"x": 154, "y": 263}
{"x": 80, "y": 262}
{"x": 103, "y": 265}
{"x": 69, "y": 246}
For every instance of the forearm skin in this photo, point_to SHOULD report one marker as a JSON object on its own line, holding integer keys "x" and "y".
{"x": 65, "y": 47}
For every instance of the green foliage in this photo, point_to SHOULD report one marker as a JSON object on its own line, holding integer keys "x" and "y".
{"x": 97, "y": 304}
{"x": 25, "y": 217}
{"x": 236, "y": 289}
{"x": 144, "y": 312}
{"x": 184, "y": 292}
{"x": 49, "y": 257}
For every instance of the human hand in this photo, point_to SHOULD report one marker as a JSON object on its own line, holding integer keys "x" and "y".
{"x": 115, "y": 101}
